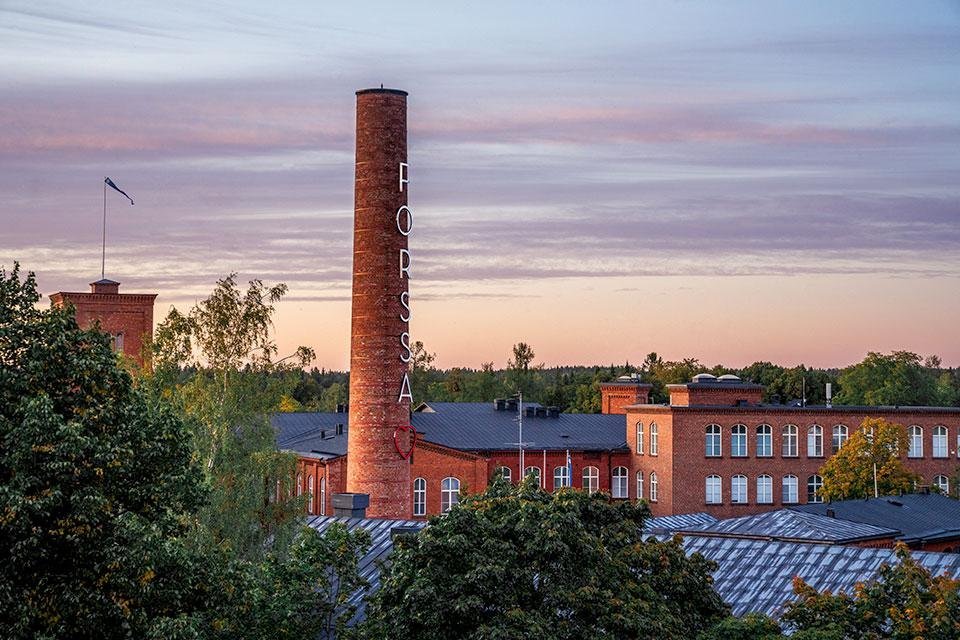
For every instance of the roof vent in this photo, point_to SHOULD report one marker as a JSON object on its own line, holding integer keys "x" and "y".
{"x": 499, "y": 404}
{"x": 511, "y": 404}
{"x": 729, "y": 377}
{"x": 553, "y": 412}
{"x": 529, "y": 412}
{"x": 342, "y": 408}
{"x": 704, "y": 377}
{"x": 323, "y": 434}
{"x": 831, "y": 513}
{"x": 340, "y": 429}
{"x": 541, "y": 412}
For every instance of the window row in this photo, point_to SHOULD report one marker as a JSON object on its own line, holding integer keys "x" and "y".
{"x": 739, "y": 492}
{"x": 619, "y": 479}
{"x": 310, "y": 486}
{"x": 654, "y": 441}
{"x": 449, "y": 495}
{"x": 790, "y": 441}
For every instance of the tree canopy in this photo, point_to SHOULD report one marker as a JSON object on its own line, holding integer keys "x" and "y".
{"x": 517, "y": 562}
{"x": 877, "y": 444}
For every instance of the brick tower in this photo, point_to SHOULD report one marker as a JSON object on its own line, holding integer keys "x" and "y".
{"x": 379, "y": 340}
{"x": 126, "y": 317}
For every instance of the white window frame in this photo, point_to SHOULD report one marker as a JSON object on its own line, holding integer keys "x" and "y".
{"x": 654, "y": 439}
{"x": 942, "y": 482}
{"x": 713, "y": 436}
{"x": 814, "y": 482}
{"x": 654, "y": 487}
{"x": 815, "y": 441}
{"x": 764, "y": 446}
{"x": 591, "y": 479}
{"x": 449, "y": 493}
{"x": 840, "y": 435}
{"x": 620, "y": 483}
{"x": 310, "y": 506}
{"x": 738, "y": 490}
{"x": 713, "y": 489}
{"x": 790, "y": 441}
{"x": 790, "y": 489}
{"x": 764, "y": 489}
{"x": 323, "y": 495}
{"x": 560, "y": 479}
{"x": 941, "y": 441}
{"x": 535, "y": 471}
{"x": 739, "y": 435}
{"x": 640, "y": 438}
{"x": 420, "y": 497}
{"x": 505, "y": 473}
{"x": 915, "y": 435}
{"x": 299, "y": 484}
{"x": 639, "y": 485}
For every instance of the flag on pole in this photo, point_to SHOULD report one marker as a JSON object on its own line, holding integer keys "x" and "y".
{"x": 110, "y": 184}
{"x": 569, "y": 469}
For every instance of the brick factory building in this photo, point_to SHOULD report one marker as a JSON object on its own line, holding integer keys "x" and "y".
{"x": 126, "y": 317}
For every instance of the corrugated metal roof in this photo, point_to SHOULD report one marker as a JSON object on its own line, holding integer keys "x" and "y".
{"x": 918, "y": 517}
{"x": 672, "y": 524}
{"x": 785, "y": 524}
{"x": 469, "y": 426}
{"x": 381, "y": 545}
{"x": 756, "y": 576}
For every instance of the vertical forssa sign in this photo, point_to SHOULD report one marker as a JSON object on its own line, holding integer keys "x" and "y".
{"x": 404, "y": 221}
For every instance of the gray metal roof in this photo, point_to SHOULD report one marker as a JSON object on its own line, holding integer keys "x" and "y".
{"x": 381, "y": 545}
{"x": 672, "y": 524}
{"x": 785, "y": 524}
{"x": 756, "y": 576}
{"x": 918, "y": 517}
{"x": 469, "y": 426}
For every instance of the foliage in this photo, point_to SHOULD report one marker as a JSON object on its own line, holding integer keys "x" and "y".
{"x": 849, "y": 474}
{"x": 218, "y": 365}
{"x": 904, "y": 602}
{"x": 96, "y": 486}
{"x": 753, "y": 626}
{"x": 517, "y": 562}
{"x": 896, "y": 379}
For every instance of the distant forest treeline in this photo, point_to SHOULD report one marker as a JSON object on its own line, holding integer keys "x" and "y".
{"x": 899, "y": 378}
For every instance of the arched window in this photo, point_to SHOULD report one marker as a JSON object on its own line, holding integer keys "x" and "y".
{"x": 560, "y": 477}
{"x": 714, "y": 449}
{"x": 420, "y": 497}
{"x": 503, "y": 472}
{"x": 940, "y": 442}
{"x": 738, "y": 489}
{"x": 310, "y": 507}
{"x": 299, "y": 484}
{"x": 639, "y": 485}
{"x": 449, "y": 494}
{"x": 323, "y": 496}
{"x": 814, "y": 484}
{"x": 764, "y": 441}
{"x": 790, "y": 446}
{"x": 640, "y": 437}
{"x": 713, "y": 490}
{"x": 839, "y": 437}
{"x": 591, "y": 479}
{"x": 620, "y": 486}
{"x": 916, "y": 442}
{"x": 535, "y": 472}
{"x": 790, "y": 490}
{"x": 738, "y": 441}
{"x": 118, "y": 343}
{"x": 654, "y": 488}
{"x": 654, "y": 439}
{"x": 764, "y": 489}
{"x": 815, "y": 441}
{"x": 943, "y": 484}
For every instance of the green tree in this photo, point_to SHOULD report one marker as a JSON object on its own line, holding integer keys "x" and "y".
{"x": 235, "y": 382}
{"x": 518, "y": 368}
{"x": 97, "y": 487}
{"x": 517, "y": 562}
{"x": 752, "y": 626}
{"x": 877, "y": 444}
{"x": 904, "y": 602}
{"x": 896, "y": 379}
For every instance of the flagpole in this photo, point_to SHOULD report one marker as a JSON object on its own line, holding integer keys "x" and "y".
{"x": 103, "y": 255}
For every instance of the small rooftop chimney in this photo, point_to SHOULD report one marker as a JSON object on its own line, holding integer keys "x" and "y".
{"x": 350, "y": 505}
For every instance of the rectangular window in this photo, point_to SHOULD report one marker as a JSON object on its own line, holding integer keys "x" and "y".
{"x": 713, "y": 490}
{"x": 790, "y": 490}
{"x": 764, "y": 490}
{"x": 738, "y": 490}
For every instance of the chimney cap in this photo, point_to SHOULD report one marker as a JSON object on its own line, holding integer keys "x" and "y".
{"x": 396, "y": 92}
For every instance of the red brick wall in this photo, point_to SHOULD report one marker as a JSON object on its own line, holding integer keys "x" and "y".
{"x": 127, "y": 313}
{"x": 604, "y": 461}
{"x": 334, "y": 471}
{"x": 662, "y": 464}
{"x": 614, "y": 398}
{"x": 685, "y": 396}
{"x": 685, "y": 484}
{"x": 433, "y": 463}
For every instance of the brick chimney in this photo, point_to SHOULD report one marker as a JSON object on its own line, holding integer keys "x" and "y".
{"x": 379, "y": 339}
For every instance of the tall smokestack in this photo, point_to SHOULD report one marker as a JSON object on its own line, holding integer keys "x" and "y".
{"x": 378, "y": 450}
